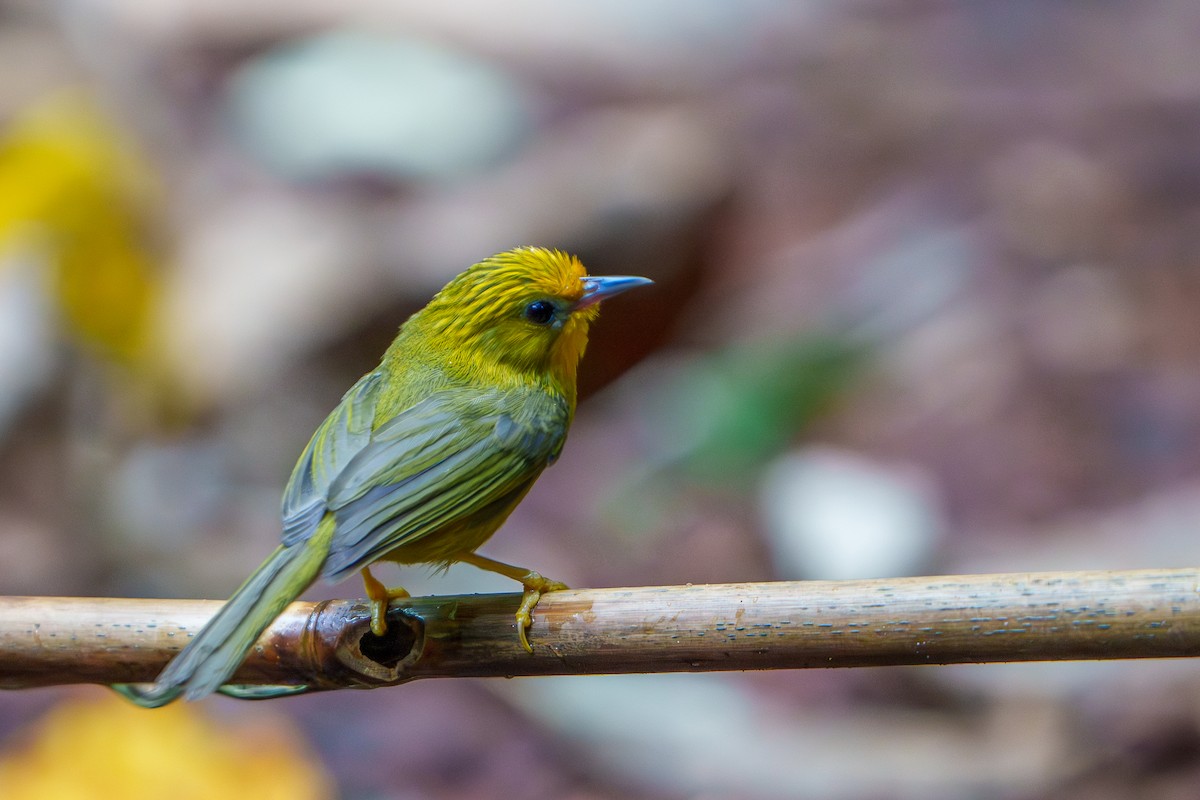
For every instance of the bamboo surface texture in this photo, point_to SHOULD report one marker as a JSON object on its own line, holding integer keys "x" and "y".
{"x": 784, "y": 625}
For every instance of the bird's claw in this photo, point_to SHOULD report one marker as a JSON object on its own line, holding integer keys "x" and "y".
{"x": 380, "y": 596}
{"x": 535, "y": 586}
{"x": 534, "y": 582}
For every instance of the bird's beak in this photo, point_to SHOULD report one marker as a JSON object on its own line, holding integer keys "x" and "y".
{"x": 602, "y": 287}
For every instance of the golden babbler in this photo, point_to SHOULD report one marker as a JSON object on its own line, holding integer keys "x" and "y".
{"x": 426, "y": 456}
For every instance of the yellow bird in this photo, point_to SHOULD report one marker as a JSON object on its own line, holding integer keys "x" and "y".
{"x": 425, "y": 456}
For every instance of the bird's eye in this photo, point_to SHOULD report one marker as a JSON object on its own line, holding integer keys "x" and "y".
{"x": 539, "y": 312}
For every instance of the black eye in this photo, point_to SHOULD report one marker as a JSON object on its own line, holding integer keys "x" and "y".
{"x": 539, "y": 312}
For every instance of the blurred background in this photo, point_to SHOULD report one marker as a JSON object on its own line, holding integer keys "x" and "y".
{"x": 928, "y": 301}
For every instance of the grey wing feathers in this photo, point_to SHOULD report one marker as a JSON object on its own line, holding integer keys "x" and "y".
{"x": 345, "y": 432}
{"x": 440, "y": 460}
{"x": 436, "y": 463}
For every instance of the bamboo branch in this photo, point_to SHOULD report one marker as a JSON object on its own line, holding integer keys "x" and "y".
{"x": 943, "y": 620}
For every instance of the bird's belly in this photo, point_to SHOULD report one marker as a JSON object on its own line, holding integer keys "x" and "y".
{"x": 446, "y": 545}
{"x": 443, "y": 547}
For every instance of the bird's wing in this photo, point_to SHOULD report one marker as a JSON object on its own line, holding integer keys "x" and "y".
{"x": 345, "y": 432}
{"x": 444, "y": 459}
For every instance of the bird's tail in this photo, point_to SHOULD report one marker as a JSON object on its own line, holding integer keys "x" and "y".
{"x": 211, "y": 658}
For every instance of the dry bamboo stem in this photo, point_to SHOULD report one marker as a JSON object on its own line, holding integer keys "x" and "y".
{"x": 943, "y": 620}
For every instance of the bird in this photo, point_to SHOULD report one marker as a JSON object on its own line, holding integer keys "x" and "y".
{"x": 425, "y": 456}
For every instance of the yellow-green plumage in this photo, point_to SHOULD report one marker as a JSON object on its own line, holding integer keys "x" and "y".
{"x": 425, "y": 457}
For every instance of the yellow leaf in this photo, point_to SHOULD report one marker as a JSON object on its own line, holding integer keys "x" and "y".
{"x": 100, "y": 748}
{"x": 73, "y": 181}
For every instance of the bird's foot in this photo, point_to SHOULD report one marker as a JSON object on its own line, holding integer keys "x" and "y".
{"x": 535, "y": 586}
{"x": 380, "y": 596}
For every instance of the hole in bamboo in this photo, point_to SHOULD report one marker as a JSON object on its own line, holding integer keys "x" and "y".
{"x": 394, "y": 646}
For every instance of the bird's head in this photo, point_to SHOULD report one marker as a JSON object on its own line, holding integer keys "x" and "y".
{"x": 526, "y": 309}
